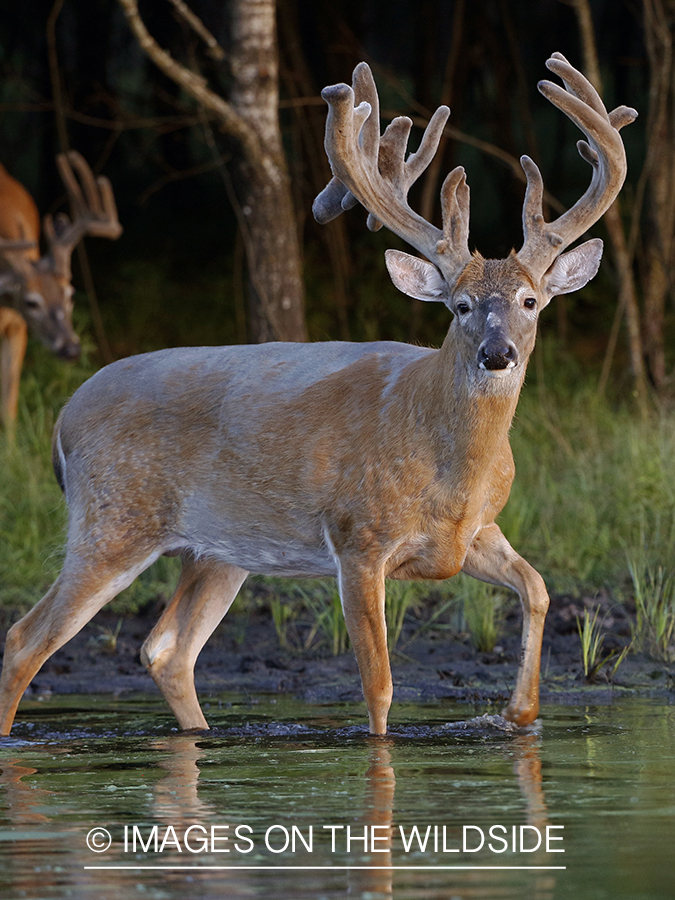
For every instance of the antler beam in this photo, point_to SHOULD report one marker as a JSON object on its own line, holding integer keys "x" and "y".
{"x": 93, "y": 208}
{"x": 372, "y": 169}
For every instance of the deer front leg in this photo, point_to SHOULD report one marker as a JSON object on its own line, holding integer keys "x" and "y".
{"x": 204, "y": 594}
{"x": 13, "y": 340}
{"x": 362, "y": 595}
{"x": 491, "y": 558}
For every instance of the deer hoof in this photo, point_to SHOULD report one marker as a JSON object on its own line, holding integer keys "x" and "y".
{"x": 521, "y": 715}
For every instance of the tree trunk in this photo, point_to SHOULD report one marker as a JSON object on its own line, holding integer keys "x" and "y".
{"x": 267, "y": 221}
{"x": 659, "y": 21}
{"x": 267, "y": 217}
{"x": 310, "y": 125}
{"x": 623, "y": 257}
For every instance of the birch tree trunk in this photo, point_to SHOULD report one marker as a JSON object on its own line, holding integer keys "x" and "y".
{"x": 267, "y": 217}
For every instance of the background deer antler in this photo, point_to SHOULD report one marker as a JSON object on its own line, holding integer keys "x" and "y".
{"x": 93, "y": 210}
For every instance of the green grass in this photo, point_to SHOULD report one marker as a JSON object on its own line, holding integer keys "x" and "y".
{"x": 402, "y": 598}
{"x": 654, "y": 594}
{"x": 321, "y": 610}
{"x": 593, "y": 481}
{"x": 482, "y": 607}
{"x": 591, "y": 639}
{"x": 32, "y": 510}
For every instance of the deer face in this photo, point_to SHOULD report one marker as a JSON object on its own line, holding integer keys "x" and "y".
{"x": 496, "y": 307}
{"x": 496, "y": 302}
{"x": 45, "y": 301}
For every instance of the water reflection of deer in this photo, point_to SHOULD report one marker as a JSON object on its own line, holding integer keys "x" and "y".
{"x": 22, "y": 803}
{"x": 379, "y": 810}
{"x": 176, "y": 801}
{"x": 176, "y": 796}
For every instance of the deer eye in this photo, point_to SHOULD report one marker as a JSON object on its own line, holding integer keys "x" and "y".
{"x": 33, "y": 301}
{"x": 463, "y": 308}
{"x": 530, "y": 303}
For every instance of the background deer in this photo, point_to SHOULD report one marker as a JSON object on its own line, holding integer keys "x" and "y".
{"x": 36, "y": 291}
{"x": 363, "y": 461}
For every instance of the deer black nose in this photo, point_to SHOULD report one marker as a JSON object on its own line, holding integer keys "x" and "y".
{"x": 69, "y": 350}
{"x": 497, "y": 353}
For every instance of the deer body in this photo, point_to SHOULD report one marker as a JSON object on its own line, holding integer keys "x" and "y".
{"x": 36, "y": 291}
{"x": 356, "y": 466}
{"x": 19, "y": 216}
{"x": 363, "y": 461}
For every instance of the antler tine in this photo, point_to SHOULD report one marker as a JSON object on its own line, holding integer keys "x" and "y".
{"x": 365, "y": 91}
{"x": 333, "y": 199}
{"x": 96, "y": 206}
{"x": 336, "y": 198}
{"x": 603, "y": 150}
{"x": 64, "y": 163}
{"x": 107, "y": 224}
{"x": 373, "y": 169}
{"x": 455, "y": 206}
{"x": 9, "y": 246}
{"x": 16, "y": 257}
{"x": 391, "y": 158}
{"x": 576, "y": 83}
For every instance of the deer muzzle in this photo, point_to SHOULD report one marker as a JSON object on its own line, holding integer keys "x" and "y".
{"x": 497, "y": 353}
{"x": 70, "y": 351}
{"x": 67, "y": 349}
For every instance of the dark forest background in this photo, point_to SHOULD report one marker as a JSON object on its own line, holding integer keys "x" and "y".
{"x": 178, "y": 274}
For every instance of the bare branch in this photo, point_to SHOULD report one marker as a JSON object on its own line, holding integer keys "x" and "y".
{"x": 180, "y": 175}
{"x": 125, "y": 122}
{"x": 214, "y": 50}
{"x": 195, "y": 85}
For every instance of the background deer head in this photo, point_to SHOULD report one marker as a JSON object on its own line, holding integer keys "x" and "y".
{"x": 39, "y": 287}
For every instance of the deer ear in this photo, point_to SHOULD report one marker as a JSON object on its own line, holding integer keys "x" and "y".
{"x": 416, "y": 277}
{"x": 574, "y": 269}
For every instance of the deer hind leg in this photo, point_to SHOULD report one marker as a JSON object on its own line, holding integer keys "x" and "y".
{"x": 491, "y": 558}
{"x": 204, "y": 594}
{"x": 84, "y": 586}
{"x": 362, "y": 595}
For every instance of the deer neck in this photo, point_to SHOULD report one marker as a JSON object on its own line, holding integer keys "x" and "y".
{"x": 463, "y": 414}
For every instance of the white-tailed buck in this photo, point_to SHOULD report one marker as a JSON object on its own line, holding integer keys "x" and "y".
{"x": 36, "y": 291}
{"x": 363, "y": 461}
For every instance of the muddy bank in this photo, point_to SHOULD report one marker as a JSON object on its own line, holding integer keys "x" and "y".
{"x": 247, "y": 657}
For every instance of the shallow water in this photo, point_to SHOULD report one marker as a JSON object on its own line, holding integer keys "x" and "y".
{"x": 234, "y": 813}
